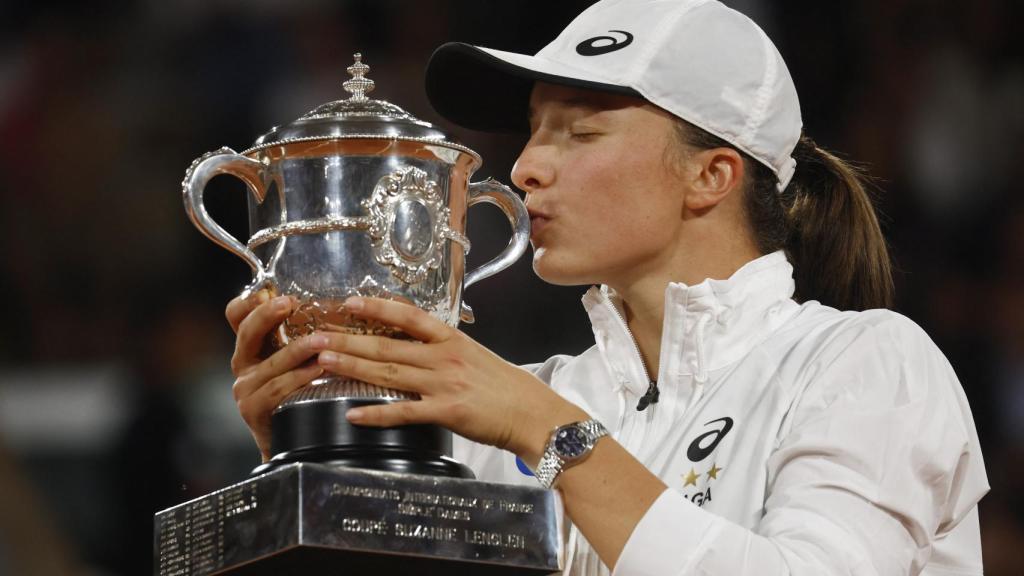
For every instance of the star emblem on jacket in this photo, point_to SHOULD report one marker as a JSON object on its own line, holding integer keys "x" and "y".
{"x": 700, "y": 494}
{"x": 713, "y": 472}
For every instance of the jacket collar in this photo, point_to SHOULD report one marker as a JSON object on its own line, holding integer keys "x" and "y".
{"x": 707, "y": 326}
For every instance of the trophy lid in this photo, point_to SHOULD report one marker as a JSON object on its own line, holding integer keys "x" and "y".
{"x": 358, "y": 116}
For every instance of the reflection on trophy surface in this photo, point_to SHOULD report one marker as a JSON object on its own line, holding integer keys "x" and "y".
{"x": 357, "y": 198}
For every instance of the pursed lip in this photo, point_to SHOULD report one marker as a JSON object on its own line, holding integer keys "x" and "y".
{"x": 538, "y": 220}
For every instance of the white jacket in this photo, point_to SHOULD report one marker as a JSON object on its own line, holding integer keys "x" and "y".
{"x": 794, "y": 438}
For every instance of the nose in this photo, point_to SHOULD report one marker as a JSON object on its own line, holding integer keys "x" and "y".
{"x": 534, "y": 169}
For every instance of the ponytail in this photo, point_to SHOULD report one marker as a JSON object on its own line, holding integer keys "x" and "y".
{"x": 834, "y": 240}
{"x": 824, "y": 220}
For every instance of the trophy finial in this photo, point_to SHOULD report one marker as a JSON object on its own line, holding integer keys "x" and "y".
{"x": 358, "y": 86}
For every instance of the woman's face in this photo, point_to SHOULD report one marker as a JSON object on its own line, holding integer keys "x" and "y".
{"x": 605, "y": 201}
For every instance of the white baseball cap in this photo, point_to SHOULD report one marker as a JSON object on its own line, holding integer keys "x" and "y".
{"x": 698, "y": 59}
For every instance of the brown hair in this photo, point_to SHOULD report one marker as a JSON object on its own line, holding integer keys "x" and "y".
{"x": 825, "y": 221}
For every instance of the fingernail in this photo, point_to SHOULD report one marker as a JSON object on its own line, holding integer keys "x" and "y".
{"x": 262, "y": 296}
{"x": 355, "y": 414}
{"x": 354, "y": 303}
{"x": 318, "y": 341}
{"x": 328, "y": 357}
{"x": 280, "y": 303}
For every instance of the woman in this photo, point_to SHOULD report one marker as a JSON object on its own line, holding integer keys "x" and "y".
{"x": 730, "y": 418}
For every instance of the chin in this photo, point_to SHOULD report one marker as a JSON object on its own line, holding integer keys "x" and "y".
{"x": 560, "y": 273}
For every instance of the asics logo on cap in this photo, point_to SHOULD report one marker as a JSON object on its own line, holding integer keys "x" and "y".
{"x": 600, "y": 44}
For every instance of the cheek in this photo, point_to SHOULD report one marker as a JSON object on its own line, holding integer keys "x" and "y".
{"x": 625, "y": 209}
{"x": 626, "y": 221}
{"x": 631, "y": 192}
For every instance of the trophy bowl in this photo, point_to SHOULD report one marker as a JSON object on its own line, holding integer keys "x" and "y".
{"x": 356, "y": 197}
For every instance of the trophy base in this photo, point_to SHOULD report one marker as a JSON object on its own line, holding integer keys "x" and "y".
{"x": 314, "y": 519}
{"x": 314, "y": 561}
{"x": 318, "y": 432}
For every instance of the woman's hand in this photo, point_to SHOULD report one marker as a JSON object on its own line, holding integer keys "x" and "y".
{"x": 262, "y": 380}
{"x": 463, "y": 386}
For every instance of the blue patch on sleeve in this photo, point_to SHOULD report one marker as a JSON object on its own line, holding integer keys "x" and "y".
{"x": 523, "y": 467}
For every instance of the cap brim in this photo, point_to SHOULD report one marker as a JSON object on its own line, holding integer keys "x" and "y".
{"x": 489, "y": 90}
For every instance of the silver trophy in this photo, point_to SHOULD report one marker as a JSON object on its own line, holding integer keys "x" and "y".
{"x": 358, "y": 197}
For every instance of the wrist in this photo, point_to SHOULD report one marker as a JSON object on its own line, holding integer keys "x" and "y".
{"x": 569, "y": 446}
{"x": 530, "y": 448}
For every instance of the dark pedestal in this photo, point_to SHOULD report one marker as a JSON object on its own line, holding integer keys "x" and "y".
{"x": 318, "y": 432}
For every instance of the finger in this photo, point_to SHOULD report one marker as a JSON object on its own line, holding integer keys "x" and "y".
{"x": 380, "y": 348}
{"x": 386, "y": 374}
{"x": 406, "y": 317}
{"x": 254, "y": 329}
{"x": 391, "y": 414}
{"x": 256, "y": 408}
{"x": 239, "y": 307}
{"x": 281, "y": 362}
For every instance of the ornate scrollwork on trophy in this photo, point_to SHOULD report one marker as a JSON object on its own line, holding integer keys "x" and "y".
{"x": 318, "y": 312}
{"x": 408, "y": 224}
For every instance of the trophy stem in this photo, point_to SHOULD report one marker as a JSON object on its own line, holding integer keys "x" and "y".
{"x": 319, "y": 432}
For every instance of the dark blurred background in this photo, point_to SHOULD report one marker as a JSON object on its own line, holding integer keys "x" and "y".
{"x": 115, "y": 396}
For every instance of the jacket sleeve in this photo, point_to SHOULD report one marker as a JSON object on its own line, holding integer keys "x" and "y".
{"x": 876, "y": 461}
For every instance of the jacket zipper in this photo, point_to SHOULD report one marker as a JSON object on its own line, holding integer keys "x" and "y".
{"x": 652, "y": 394}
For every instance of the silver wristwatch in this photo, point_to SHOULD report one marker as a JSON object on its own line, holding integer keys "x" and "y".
{"x": 569, "y": 445}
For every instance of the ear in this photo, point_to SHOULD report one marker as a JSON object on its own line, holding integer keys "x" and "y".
{"x": 715, "y": 173}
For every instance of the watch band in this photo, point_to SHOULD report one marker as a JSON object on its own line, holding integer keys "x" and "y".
{"x": 553, "y": 462}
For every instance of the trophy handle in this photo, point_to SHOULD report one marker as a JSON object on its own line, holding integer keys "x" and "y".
{"x": 491, "y": 191}
{"x": 224, "y": 161}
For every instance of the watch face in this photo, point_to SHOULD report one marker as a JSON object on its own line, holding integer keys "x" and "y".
{"x": 571, "y": 442}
